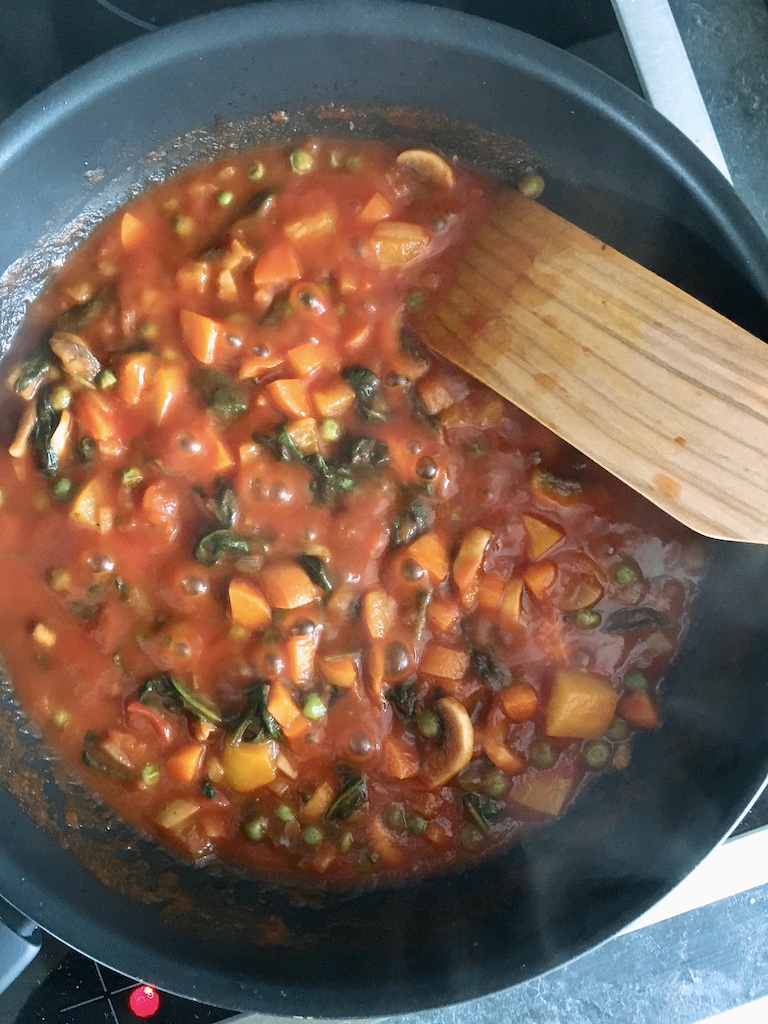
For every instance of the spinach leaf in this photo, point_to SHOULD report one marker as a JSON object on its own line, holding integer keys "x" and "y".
{"x": 84, "y": 313}
{"x": 626, "y": 620}
{"x": 352, "y": 796}
{"x": 32, "y": 373}
{"x": 368, "y": 452}
{"x": 175, "y": 696}
{"x": 45, "y": 424}
{"x": 331, "y": 479}
{"x": 489, "y": 669}
{"x": 225, "y": 397}
{"x": 213, "y": 547}
{"x": 223, "y": 504}
{"x": 413, "y": 522}
{"x": 256, "y": 724}
{"x": 403, "y": 699}
{"x": 314, "y": 567}
{"x": 481, "y": 810}
{"x": 367, "y": 387}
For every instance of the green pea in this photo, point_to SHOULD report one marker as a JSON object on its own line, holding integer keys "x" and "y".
{"x": 314, "y": 707}
{"x": 414, "y": 300}
{"x": 330, "y": 430}
{"x": 225, "y": 198}
{"x": 284, "y": 812}
{"x": 150, "y": 774}
{"x": 255, "y": 828}
{"x": 106, "y": 378}
{"x": 531, "y": 185}
{"x": 618, "y": 730}
{"x": 132, "y": 476}
{"x": 429, "y": 725}
{"x": 625, "y": 574}
{"x": 496, "y": 783}
{"x": 312, "y": 835}
{"x": 597, "y": 753}
{"x": 636, "y": 680}
{"x": 301, "y": 161}
{"x": 183, "y": 225}
{"x": 62, "y": 489}
{"x": 542, "y": 754}
{"x": 415, "y": 824}
{"x": 394, "y": 818}
{"x": 354, "y": 163}
{"x": 470, "y": 838}
{"x": 587, "y": 618}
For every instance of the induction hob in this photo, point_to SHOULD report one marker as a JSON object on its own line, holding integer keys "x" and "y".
{"x": 654, "y": 972}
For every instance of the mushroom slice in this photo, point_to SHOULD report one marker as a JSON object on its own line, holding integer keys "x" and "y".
{"x": 429, "y": 165}
{"x": 75, "y": 356}
{"x": 454, "y": 751}
{"x": 24, "y": 432}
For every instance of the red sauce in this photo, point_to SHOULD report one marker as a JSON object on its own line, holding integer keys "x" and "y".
{"x": 287, "y": 589}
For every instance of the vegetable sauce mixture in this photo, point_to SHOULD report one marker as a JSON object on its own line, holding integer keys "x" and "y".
{"x": 288, "y": 589}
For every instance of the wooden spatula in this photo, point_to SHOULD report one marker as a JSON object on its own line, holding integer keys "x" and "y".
{"x": 663, "y": 392}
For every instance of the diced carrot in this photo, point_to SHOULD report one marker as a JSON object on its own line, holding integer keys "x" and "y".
{"x": 541, "y": 535}
{"x": 339, "y": 670}
{"x": 133, "y": 231}
{"x": 169, "y": 384}
{"x": 285, "y": 711}
{"x": 379, "y": 611}
{"x": 520, "y": 701}
{"x": 581, "y": 704}
{"x": 221, "y": 458}
{"x": 436, "y": 833}
{"x": 431, "y": 554}
{"x": 442, "y": 614}
{"x": 540, "y": 578}
{"x": 322, "y": 798}
{"x": 333, "y": 400}
{"x": 511, "y": 602}
{"x": 377, "y": 208}
{"x": 468, "y": 562}
{"x": 257, "y": 366}
{"x": 193, "y": 278}
{"x": 300, "y": 657}
{"x": 396, "y": 243}
{"x": 444, "y": 662}
{"x": 184, "y": 764}
{"x": 249, "y": 766}
{"x": 290, "y": 397}
{"x": 277, "y": 266}
{"x": 288, "y": 586}
{"x": 201, "y": 334}
{"x": 303, "y": 433}
{"x": 639, "y": 710}
{"x": 134, "y": 377}
{"x": 434, "y": 395}
{"x": 400, "y": 760}
{"x": 88, "y": 503}
{"x": 491, "y": 588}
{"x": 247, "y": 605}
{"x": 96, "y": 416}
{"x": 305, "y": 359}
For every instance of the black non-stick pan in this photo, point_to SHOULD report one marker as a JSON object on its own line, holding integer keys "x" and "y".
{"x": 495, "y": 97}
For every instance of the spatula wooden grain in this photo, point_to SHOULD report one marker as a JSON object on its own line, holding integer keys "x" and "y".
{"x": 663, "y": 392}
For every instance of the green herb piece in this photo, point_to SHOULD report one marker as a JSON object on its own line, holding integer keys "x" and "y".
{"x": 87, "y": 451}
{"x": 301, "y": 161}
{"x": 475, "y": 450}
{"x": 542, "y": 754}
{"x": 150, "y": 774}
{"x": 225, "y": 198}
{"x": 312, "y": 835}
{"x": 258, "y": 171}
{"x": 596, "y": 753}
{"x": 284, "y": 813}
{"x": 352, "y": 796}
{"x": 403, "y": 699}
{"x": 489, "y": 669}
{"x": 636, "y": 680}
{"x": 314, "y": 707}
{"x": 226, "y": 398}
{"x": 315, "y": 568}
{"x": 131, "y": 476}
{"x": 414, "y": 300}
{"x": 254, "y": 828}
{"x": 371, "y": 403}
{"x": 626, "y": 620}
{"x": 106, "y": 379}
{"x": 32, "y": 373}
{"x": 482, "y": 811}
{"x": 213, "y": 547}
{"x": 62, "y": 489}
{"x": 47, "y": 419}
{"x": 97, "y": 758}
{"x": 330, "y": 430}
{"x": 413, "y": 522}
{"x": 173, "y": 694}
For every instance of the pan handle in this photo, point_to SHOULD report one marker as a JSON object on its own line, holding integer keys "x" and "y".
{"x": 20, "y": 942}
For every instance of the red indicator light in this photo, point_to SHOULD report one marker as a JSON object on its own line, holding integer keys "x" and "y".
{"x": 144, "y": 1001}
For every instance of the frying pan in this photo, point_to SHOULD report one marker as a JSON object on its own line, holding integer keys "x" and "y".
{"x": 495, "y": 97}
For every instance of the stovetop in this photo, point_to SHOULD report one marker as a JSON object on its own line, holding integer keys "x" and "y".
{"x": 668, "y": 969}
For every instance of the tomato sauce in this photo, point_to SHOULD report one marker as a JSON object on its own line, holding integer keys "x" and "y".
{"x": 287, "y": 589}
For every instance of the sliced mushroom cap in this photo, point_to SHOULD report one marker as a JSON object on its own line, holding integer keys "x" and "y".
{"x": 454, "y": 751}
{"x": 429, "y": 165}
{"x": 75, "y": 356}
